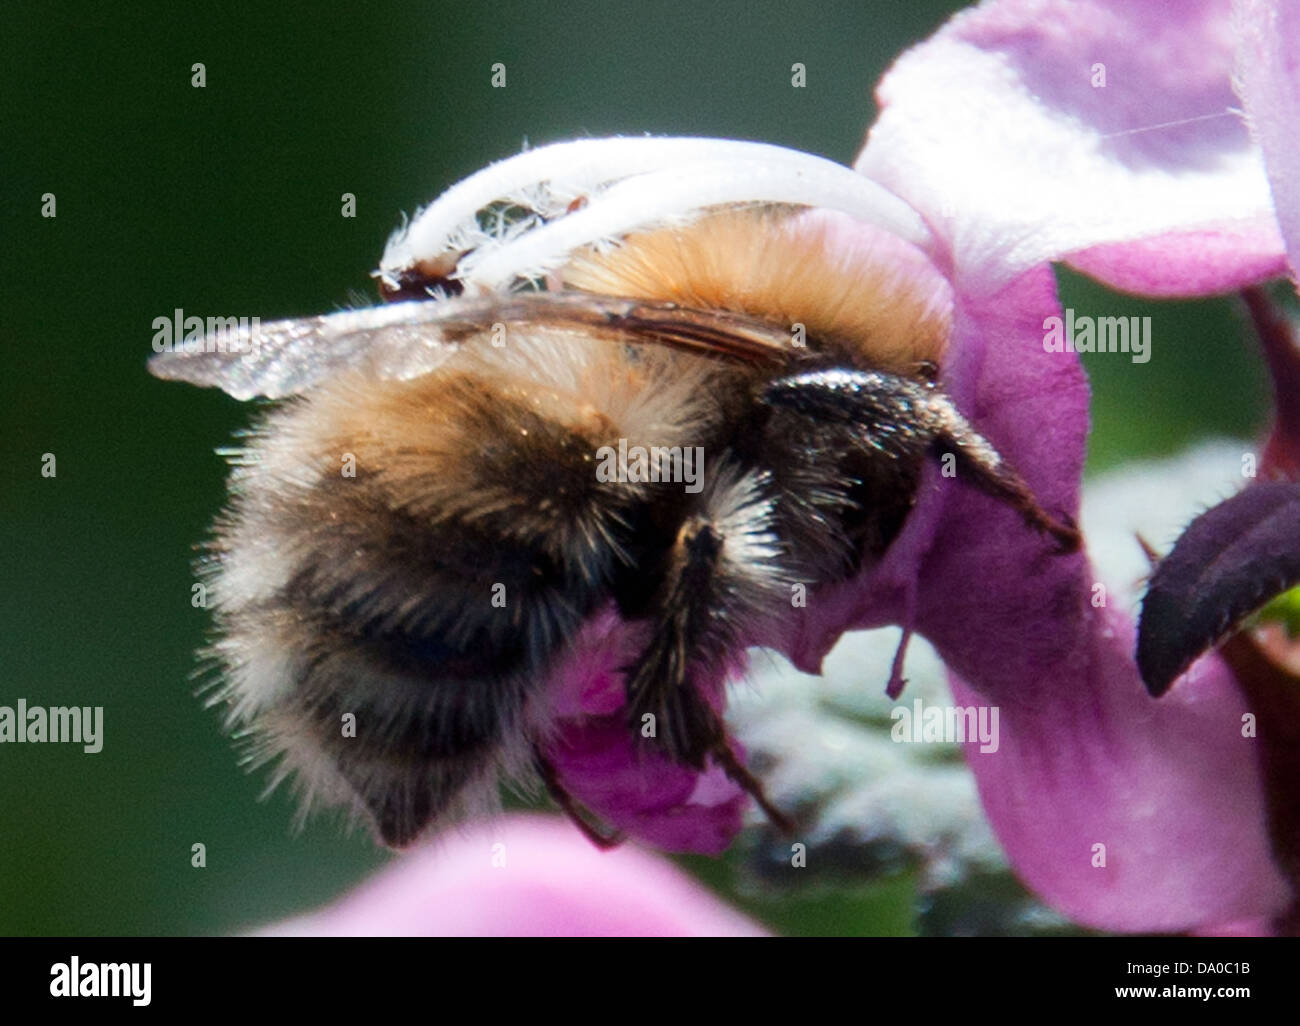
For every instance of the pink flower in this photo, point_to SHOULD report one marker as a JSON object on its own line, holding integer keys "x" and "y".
{"x": 524, "y": 875}
{"x": 646, "y": 794}
{"x": 1105, "y": 135}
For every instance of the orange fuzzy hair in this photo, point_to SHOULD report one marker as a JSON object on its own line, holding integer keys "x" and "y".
{"x": 774, "y": 264}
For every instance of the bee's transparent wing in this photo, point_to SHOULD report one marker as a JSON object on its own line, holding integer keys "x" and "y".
{"x": 405, "y": 340}
{"x": 288, "y": 357}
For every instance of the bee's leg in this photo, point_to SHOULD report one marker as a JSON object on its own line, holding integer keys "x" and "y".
{"x": 567, "y": 804}
{"x": 725, "y": 757}
{"x": 898, "y": 417}
{"x": 711, "y": 585}
{"x": 661, "y": 698}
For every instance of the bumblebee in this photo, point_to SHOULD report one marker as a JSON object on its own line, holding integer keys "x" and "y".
{"x": 420, "y": 529}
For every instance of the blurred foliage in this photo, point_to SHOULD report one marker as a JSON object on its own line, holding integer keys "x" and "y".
{"x": 226, "y": 201}
{"x": 1205, "y": 376}
{"x": 1285, "y": 609}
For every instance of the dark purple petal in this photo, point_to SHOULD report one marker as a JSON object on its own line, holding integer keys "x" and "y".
{"x": 626, "y": 783}
{"x": 1228, "y": 563}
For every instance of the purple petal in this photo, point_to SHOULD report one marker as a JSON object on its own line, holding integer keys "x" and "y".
{"x": 1197, "y": 263}
{"x": 647, "y": 795}
{"x": 524, "y": 875}
{"x": 626, "y": 784}
{"x": 1170, "y": 788}
{"x": 964, "y": 558}
{"x": 1086, "y": 756}
{"x": 998, "y": 130}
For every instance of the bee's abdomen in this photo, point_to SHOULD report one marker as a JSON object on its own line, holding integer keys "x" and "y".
{"x": 424, "y": 636}
{"x": 403, "y": 563}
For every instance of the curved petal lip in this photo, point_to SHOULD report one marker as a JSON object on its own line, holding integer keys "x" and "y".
{"x": 1185, "y": 264}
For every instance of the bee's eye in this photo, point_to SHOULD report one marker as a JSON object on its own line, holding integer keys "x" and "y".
{"x": 420, "y": 280}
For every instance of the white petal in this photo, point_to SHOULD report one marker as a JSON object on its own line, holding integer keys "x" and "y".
{"x": 995, "y": 130}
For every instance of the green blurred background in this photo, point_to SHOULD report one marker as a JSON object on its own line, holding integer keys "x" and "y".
{"x": 226, "y": 200}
